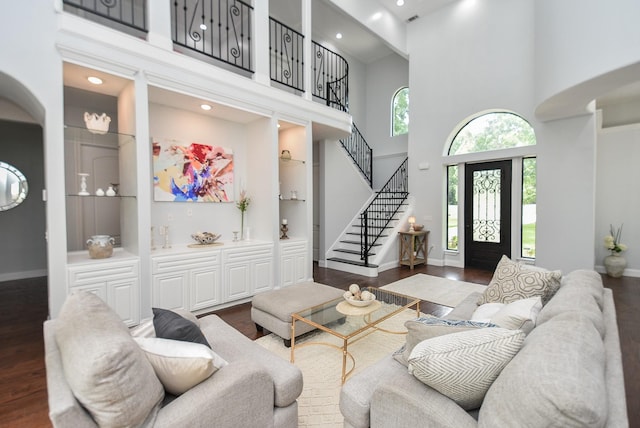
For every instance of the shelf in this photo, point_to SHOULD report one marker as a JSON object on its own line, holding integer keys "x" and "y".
{"x": 292, "y": 161}
{"x": 100, "y": 197}
{"x": 293, "y": 200}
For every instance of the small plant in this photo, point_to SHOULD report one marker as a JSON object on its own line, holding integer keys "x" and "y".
{"x": 612, "y": 241}
{"x": 243, "y": 204}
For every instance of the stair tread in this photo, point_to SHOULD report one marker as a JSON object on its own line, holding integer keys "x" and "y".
{"x": 357, "y": 243}
{"x": 352, "y": 262}
{"x": 343, "y": 250}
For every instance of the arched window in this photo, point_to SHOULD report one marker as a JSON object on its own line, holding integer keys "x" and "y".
{"x": 492, "y": 131}
{"x": 400, "y": 112}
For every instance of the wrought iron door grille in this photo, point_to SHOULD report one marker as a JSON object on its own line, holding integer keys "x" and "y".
{"x": 486, "y": 202}
{"x": 286, "y": 50}
{"x": 220, "y": 29}
{"x": 130, "y": 13}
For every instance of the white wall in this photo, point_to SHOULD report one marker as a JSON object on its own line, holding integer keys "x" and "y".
{"x": 384, "y": 78}
{"x": 465, "y": 59}
{"x": 343, "y": 191}
{"x": 579, "y": 44}
{"x": 186, "y": 128}
{"x": 618, "y": 176}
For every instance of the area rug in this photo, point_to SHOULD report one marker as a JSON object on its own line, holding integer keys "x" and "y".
{"x": 443, "y": 291}
{"x": 321, "y": 366}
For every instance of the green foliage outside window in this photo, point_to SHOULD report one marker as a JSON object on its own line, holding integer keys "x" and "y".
{"x": 400, "y": 119}
{"x": 493, "y": 131}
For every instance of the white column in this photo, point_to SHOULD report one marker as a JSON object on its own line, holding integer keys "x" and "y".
{"x": 261, "y": 42}
{"x": 159, "y": 13}
{"x": 308, "y": 57}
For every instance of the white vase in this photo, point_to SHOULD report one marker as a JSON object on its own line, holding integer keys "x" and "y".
{"x": 615, "y": 265}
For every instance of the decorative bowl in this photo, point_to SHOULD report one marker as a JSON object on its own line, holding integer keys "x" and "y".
{"x": 360, "y": 303}
{"x": 205, "y": 238}
{"x": 418, "y": 227}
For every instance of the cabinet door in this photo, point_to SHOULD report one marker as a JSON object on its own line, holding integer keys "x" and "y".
{"x": 262, "y": 275}
{"x": 237, "y": 281}
{"x": 300, "y": 267}
{"x": 170, "y": 290}
{"x": 122, "y": 296}
{"x": 288, "y": 269}
{"x": 204, "y": 285}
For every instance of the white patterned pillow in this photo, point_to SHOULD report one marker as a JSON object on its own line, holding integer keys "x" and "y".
{"x": 462, "y": 366}
{"x": 514, "y": 281}
{"x": 518, "y": 315}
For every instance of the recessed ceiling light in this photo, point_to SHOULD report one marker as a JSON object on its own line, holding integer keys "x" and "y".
{"x": 400, "y": 2}
{"x": 339, "y": 36}
{"x": 205, "y": 107}
{"x": 203, "y": 27}
{"x": 95, "y": 80}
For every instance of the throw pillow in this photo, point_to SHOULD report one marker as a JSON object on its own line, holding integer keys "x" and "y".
{"x": 180, "y": 365}
{"x": 513, "y": 281}
{"x": 107, "y": 372}
{"x": 146, "y": 328}
{"x": 169, "y": 325}
{"x": 518, "y": 315}
{"x": 462, "y": 366}
{"x": 425, "y": 328}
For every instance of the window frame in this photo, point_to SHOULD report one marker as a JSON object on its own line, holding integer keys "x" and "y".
{"x": 393, "y": 111}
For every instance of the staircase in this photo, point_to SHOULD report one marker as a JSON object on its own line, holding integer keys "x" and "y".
{"x": 365, "y": 241}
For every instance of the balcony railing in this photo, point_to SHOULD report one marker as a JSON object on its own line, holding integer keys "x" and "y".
{"x": 286, "y": 50}
{"x": 219, "y": 29}
{"x": 330, "y": 77}
{"x": 222, "y": 29}
{"x": 128, "y": 13}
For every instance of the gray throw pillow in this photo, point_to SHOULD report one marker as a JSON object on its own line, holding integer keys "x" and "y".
{"x": 169, "y": 325}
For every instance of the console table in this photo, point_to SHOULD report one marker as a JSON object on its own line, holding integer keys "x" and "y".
{"x": 413, "y": 248}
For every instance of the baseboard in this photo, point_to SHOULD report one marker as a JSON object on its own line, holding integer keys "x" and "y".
{"x": 633, "y": 273}
{"x": 12, "y": 276}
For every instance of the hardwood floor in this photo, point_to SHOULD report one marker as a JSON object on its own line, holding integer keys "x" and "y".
{"x": 23, "y": 309}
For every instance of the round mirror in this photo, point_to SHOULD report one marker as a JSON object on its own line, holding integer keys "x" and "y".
{"x": 13, "y": 186}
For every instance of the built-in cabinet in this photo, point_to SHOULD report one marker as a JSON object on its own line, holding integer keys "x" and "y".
{"x": 196, "y": 279}
{"x": 152, "y": 270}
{"x": 115, "y": 280}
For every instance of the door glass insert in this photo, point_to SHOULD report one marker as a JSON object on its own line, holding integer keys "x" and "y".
{"x": 486, "y": 205}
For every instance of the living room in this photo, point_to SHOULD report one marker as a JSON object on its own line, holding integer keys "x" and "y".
{"x": 532, "y": 58}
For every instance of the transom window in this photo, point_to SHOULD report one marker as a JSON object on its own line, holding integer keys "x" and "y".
{"x": 400, "y": 112}
{"x": 492, "y": 131}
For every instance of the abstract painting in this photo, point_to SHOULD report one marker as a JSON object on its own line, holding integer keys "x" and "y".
{"x": 196, "y": 172}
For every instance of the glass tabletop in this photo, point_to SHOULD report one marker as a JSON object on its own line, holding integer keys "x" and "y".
{"x": 342, "y": 319}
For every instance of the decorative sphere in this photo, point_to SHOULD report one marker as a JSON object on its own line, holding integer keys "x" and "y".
{"x": 354, "y": 288}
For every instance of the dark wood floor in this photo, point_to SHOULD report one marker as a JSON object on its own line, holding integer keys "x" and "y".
{"x": 23, "y": 308}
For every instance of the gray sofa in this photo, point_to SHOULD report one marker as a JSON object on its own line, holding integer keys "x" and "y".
{"x": 568, "y": 373}
{"x": 255, "y": 389}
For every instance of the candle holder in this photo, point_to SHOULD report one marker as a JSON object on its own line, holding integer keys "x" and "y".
{"x": 83, "y": 184}
{"x": 284, "y": 229}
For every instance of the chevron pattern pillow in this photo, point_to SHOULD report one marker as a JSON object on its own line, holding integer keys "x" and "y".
{"x": 462, "y": 366}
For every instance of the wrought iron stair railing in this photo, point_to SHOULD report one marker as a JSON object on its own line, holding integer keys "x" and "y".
{"x": 375, "y": 219}
{"x": 360, "y": 152}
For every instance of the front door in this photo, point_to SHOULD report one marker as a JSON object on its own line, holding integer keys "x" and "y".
{"x": 487, "y": 215}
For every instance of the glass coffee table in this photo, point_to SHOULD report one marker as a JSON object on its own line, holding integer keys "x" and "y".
{"x": 352, "y": 323}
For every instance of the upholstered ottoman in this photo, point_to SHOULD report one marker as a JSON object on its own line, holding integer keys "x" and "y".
{"x": 272, "y": 310}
